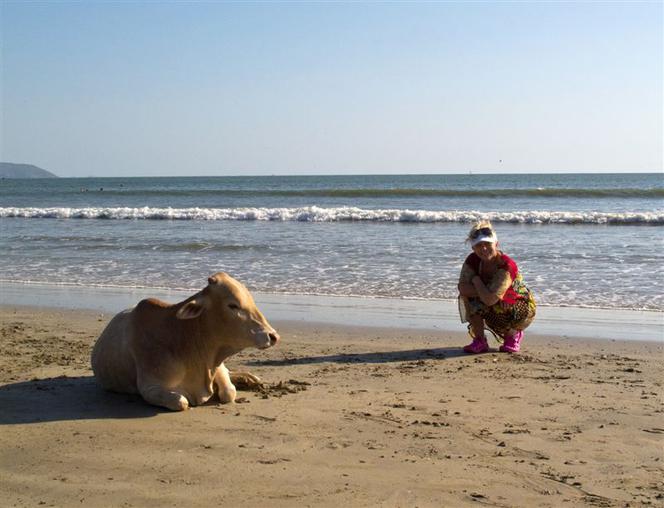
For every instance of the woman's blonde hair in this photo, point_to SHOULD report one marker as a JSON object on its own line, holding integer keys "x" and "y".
{"x": 477, "y": 226}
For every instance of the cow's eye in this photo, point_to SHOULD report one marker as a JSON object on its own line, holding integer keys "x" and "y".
{"x": 233, "y": 306}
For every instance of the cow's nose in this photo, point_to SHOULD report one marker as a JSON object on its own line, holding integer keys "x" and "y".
{"x": 274, "y": 338}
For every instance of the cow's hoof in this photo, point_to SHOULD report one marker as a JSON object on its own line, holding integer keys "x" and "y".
{"x": 182, "y": 404}
{"x": 246, "y": 380}
{"x": 227, "y": 396}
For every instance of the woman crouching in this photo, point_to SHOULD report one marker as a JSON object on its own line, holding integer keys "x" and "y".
{"x": 492, "y": 293}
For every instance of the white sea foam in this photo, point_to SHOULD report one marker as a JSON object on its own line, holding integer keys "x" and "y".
{"x": 336, "y": 214}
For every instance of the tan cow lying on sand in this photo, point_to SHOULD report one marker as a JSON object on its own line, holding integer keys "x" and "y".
{"x": 173, "y": 355}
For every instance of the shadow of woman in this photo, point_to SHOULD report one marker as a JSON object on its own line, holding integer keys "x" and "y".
{"x": 67, "y": 398}
{"x": 371, "y": 357}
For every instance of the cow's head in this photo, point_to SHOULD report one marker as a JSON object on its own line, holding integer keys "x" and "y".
{"x": 228, "y": 305}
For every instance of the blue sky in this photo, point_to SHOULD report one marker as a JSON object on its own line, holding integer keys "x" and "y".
{"x": 211, "y": 88}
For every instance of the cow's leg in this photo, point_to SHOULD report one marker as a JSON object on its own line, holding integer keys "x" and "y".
{"x": 245, "y": 380}
{"x": 225, "y": 389}
{"x": 159, "y": 396}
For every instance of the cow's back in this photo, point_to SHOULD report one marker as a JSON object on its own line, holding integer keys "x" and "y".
{"x": 113, "y": 363}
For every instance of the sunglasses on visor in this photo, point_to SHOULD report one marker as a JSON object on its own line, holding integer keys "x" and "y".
{"x": 483, "y": 232}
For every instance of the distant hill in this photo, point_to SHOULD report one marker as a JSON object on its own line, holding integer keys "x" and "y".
{"x": 11, "y": 170}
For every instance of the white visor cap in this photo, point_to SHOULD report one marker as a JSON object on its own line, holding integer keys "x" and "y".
{"x": 484, "y": 238}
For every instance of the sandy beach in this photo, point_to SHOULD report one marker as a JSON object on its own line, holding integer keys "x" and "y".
{"x": 348, "y": 416}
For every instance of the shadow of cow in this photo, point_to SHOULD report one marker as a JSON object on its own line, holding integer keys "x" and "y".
{"x": 67, "y": 398}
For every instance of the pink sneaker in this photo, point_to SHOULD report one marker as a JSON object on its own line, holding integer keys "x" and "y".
{"x": 479, "y": 345}
{"x": 512, "y": 344}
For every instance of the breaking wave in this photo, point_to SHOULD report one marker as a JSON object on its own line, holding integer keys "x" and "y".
{"x": 335, "y": 214}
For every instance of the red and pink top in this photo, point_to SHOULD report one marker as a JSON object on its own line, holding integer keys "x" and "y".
{"x": 506, "y": 275}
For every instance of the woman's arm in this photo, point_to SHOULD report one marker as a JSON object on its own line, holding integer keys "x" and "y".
{"x": 465, "y": 286}
{"x": 494, "y": 292}
{"x": 488, "y": 298}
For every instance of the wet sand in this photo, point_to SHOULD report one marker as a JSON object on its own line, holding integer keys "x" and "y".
{"x": 348, "y": 416}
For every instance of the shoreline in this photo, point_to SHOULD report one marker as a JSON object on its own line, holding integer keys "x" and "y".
{"x": 442, "y": 315}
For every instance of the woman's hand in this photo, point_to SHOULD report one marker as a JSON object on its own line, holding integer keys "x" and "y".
{"x": 466, "y": 289}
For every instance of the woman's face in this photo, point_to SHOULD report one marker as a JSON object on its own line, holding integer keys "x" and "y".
{"x": 486, "y": 250}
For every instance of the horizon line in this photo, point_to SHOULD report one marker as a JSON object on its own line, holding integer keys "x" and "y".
{"x": 469, "y": 173}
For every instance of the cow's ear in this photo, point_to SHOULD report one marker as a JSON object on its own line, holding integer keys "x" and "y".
{"x": 190, "y": 310}
{"x": 218, "y": 278}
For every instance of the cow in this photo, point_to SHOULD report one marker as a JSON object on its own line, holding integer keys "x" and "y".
{"x": 173, "y": 355}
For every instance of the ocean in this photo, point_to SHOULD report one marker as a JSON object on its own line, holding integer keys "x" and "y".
{"x": 580, "y": 240}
